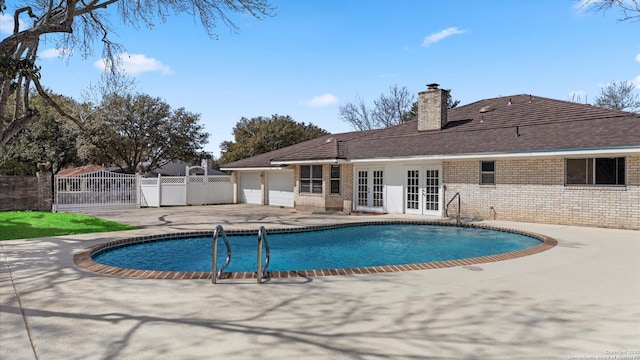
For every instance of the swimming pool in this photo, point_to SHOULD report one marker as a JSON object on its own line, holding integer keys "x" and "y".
{"x": 331, "y": 250}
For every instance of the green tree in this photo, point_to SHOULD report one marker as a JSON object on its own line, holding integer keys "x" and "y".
{"x": 450, "y": 102}
{"x": 77, "y": 25}
{"x": 51, "y": 138}
{"x": 619, "y": 96}
{"x": 137, "y": 130}
{"x": 259, "y": 135}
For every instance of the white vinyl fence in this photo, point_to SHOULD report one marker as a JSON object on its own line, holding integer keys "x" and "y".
{"x": 186, "y": 190}
{"x": 104, "y": 190}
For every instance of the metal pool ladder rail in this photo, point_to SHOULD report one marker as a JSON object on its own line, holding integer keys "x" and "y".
{"x": 215, "y": 275}
{"x": 262, "y": 238}
{"x": 446, "y": 209}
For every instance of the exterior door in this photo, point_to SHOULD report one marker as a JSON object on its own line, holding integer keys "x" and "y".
{"x": 422, "y": 191}
{"x": 369, "y": 190}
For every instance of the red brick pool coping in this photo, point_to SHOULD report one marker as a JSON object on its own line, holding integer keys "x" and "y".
{"x": 84, "y": 258}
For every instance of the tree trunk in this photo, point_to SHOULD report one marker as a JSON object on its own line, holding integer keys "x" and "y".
{"x": 15, "y": 126}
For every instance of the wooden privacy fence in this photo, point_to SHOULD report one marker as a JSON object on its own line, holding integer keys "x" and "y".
{"x": 186, "y": 190}
{"x": 20, "y": 193}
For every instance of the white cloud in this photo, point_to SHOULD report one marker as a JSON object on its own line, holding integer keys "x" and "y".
{"x": 435, "y": 37}
{"x": 322, "y": 100}
{"x": 54, "y": 53}
{"x": 134, "y": 64}
{"x": 6, "y": 24}
{"x": 636, "y": 81}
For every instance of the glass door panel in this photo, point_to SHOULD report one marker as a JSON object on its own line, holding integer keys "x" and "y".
{"x": 432, "y": 189}
{"x": 369, "y": 189}
{"x": 422, "y": 191}
{"x": 363, "y": 186}
{"x": 378, "y": 189}
{"x": 413, "y": 190}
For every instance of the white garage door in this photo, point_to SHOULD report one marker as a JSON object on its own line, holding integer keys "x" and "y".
{"x": 250, "y": 191}
{"x": 280, "y": 188}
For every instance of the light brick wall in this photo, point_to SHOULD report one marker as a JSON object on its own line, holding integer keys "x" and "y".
{"x": 325, "y": 201}
{"x": 335, "y": 202}
{"x": 305, "y": 201}
{"x": 533, "y": 190}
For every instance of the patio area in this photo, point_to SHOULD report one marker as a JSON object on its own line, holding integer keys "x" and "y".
{"x": 578, "y": 299}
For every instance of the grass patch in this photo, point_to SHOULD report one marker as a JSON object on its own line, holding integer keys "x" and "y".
{"x": 34, "y": 224}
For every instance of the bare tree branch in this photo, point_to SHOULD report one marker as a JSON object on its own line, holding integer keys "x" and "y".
{"x": 76, "y": 25}
{"x": 54, "y": 104}
{"x": 629, "y": 9}
{"x": 357, "y": 115}
{"x": 619, "y": 96}
{"x": 388, "y": 110}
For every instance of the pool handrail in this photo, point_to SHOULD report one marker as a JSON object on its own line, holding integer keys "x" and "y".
{"x": 446, "y": 209}
{"x": 262, "y": 239}
{"x": 215, "y": 275}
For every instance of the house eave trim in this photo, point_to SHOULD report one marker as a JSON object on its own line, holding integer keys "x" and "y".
{"x": 254, "y": 168}
{"x": 302, "y": 162}
{"x": 555, "y": 153}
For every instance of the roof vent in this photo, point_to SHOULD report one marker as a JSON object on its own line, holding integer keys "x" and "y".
{"x": 487, "y": 108}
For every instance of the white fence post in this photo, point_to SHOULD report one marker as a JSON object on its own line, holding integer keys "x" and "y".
{"x": 159, "y": 190}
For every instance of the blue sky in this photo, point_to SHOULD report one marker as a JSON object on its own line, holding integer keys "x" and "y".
{"x": 313, "y": 56}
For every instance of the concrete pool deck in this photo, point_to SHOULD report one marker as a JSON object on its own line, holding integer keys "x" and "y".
{"x": 578, "y": 299}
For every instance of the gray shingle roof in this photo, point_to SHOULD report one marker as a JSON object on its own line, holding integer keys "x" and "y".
{"x": 486, "y": 126}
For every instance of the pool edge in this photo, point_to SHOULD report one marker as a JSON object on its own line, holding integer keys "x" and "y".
{"x": 84, "y": 257}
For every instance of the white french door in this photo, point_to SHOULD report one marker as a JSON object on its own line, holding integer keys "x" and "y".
{"x": 422, "y": 191}
{"x": 369, "y": 189}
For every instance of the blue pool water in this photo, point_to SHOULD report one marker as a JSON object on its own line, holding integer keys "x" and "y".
{"x": 345, "y": 247}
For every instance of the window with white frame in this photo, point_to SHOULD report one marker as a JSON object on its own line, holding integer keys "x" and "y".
{"x": 595, "y": 171}
{"x": 311, "y": 179}
{"x": 487, "y": 172}
{"x": 335, "y": 179}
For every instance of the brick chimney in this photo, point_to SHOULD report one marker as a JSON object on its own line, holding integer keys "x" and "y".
{"x": 432, "y": 108}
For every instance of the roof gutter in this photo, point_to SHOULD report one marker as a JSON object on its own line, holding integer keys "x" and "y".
{"x": 554, "y": 153}
{"x": 254, "y": 168}
{"x": 319, "y": 161}
{"x": 484, "y": 156}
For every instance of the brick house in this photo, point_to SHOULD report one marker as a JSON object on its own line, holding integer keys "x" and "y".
{"x": 520, "y": 158}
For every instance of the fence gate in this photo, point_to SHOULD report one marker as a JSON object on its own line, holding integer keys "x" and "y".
{"x": 95, "y": 191}
{"x": 186, "y": 190}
